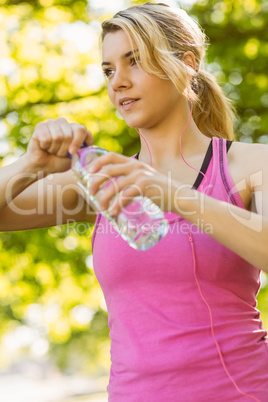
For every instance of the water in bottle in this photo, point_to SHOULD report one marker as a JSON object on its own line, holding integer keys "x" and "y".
{"x": 141, "y": 223}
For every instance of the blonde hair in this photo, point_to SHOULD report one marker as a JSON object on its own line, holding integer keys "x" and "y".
{"x": 163, "y": 35}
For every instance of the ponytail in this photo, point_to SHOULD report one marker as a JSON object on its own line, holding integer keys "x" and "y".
{"x": 213, "y": 112}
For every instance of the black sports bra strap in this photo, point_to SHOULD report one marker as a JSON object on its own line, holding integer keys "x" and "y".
{"x": 206, "y": 161}
{"x": 228, "y": 144}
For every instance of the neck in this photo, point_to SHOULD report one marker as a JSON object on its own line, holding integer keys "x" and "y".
{"x": 164, "y": 140}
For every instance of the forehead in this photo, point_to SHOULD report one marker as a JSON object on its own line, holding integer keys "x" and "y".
{"x": 115, "y": 44}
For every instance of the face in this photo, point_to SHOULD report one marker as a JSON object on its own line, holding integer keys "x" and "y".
{"x": 143, "y": 100}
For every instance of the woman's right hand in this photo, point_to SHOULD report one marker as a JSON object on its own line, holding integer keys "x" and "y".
{"x": 50, "y": 143}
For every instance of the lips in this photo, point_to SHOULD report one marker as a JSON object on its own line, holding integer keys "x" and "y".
{"x": 127, "y": 103}
{"x": 126, "y": 99}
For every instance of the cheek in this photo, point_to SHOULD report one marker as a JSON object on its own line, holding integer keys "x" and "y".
{"x": 111, "y": 94}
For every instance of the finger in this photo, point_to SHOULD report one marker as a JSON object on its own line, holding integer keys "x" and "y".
{"x": 135, "y": 185}
{"x": 107, "y": 192}
{"x": 43, "y": 136}
{"x": 109, "y": 158}
{"x": 66, "y": 129}
{"x": 89, "y": 140}
{"x": 57, "y": 136}
{"x": 114, "y": 187}
{"x": 80, "y": 134}
{"x": 108, "y": 172}
{"x": 126, "y": 197}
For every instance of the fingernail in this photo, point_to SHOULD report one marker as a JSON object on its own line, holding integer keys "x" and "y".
{"x": 114, "y": 212}
{"x": 72, "y": 150}
{"x": 102, "y": 208}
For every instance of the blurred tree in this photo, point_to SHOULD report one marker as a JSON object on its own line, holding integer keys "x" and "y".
{"x": 238, "y": 56}
{"x": 50, "y": 67}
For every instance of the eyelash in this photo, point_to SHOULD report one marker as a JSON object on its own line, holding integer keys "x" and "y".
{"x": 107, "y": 71}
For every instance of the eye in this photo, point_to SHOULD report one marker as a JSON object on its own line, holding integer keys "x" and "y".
{"x": 107, "y": 72}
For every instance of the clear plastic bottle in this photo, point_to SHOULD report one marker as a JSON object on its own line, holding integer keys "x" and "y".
{"x": 141, "y": 223}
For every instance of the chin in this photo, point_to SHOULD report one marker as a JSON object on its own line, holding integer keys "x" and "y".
{"x": 131, "y": 125}
{"x": 135, "y": 123}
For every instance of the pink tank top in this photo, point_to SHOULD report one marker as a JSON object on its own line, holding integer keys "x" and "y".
{"x": 162, "y": 347}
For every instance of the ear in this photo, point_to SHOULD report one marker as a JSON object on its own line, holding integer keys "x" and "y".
{"x": 189, "y": 59}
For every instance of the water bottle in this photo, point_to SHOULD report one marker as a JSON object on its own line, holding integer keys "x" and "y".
{"x": 141, "y": 223}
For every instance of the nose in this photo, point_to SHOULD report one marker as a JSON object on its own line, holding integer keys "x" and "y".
{"x": 120, "y": 80}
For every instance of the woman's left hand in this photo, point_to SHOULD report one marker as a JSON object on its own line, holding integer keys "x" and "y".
{"x": 133, "y": 178}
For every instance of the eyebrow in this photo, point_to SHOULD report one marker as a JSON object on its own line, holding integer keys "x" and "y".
{"x": 124, "y": 56}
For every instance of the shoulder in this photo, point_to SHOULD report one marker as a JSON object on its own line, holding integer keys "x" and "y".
{"x": 249, "y": 149}
{"x": 249, "y": 160}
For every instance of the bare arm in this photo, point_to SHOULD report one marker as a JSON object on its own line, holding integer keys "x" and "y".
{"x": 242, "y": 231}
{"x": 51, "y": 201}
{"x": 245, "y": 232}
{"x": 19, "y": 172}
{"x": 39, "y": 189}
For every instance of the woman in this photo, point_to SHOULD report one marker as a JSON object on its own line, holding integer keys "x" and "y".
{"x": 182, "y": 315}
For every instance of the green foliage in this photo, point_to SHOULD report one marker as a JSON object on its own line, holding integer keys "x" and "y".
{"x": 238, "y": 56}
{"x": 47, "y": 71}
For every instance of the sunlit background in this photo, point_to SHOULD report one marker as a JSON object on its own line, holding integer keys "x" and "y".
{"x": 54, "y": 334}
